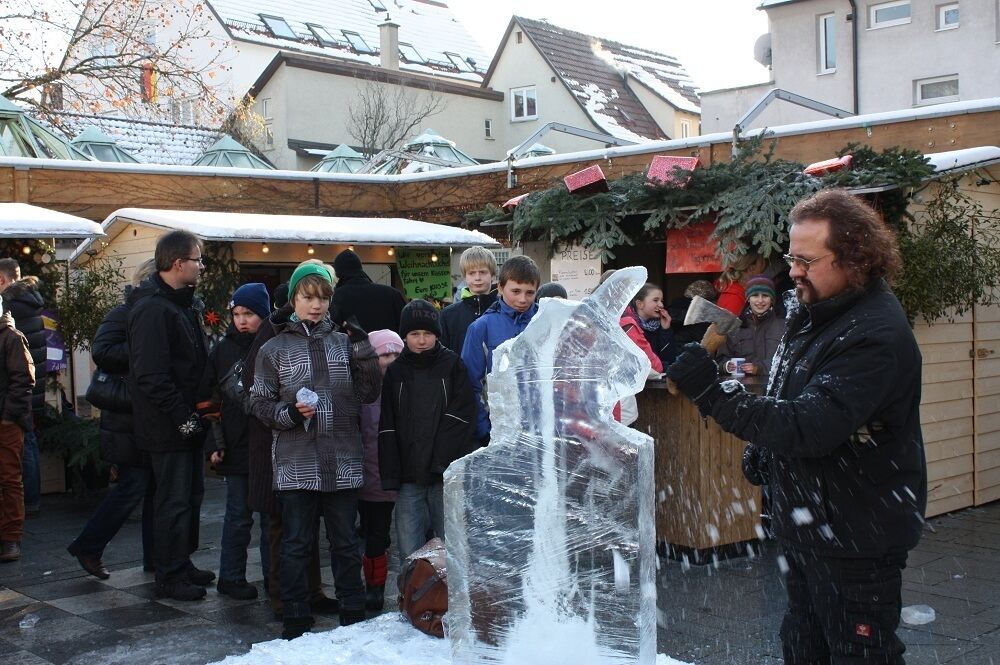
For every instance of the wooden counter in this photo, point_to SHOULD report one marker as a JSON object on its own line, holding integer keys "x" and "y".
{"x": 703, "y": 502}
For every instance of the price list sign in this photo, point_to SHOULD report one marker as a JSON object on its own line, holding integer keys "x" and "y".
{"x": 578, "y": 269}
{"x": 421, "y": 275}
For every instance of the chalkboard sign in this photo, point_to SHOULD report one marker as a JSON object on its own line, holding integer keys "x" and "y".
{"x": 422, "y": 276}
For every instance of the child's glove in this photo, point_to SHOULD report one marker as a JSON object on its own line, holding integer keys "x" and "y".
{"x": 354, "y": 331}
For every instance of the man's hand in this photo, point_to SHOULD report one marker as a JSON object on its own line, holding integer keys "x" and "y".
{"x": 218, "y": 456}
{"x": 694, "y": 372}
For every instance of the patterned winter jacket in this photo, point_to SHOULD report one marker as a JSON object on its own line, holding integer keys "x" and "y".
{"x": 325, "y": 452}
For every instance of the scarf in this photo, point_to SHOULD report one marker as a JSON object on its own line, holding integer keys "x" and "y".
{"x": 651, "y": 325}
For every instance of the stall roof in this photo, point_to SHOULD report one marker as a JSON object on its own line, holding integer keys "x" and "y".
{"x": 949, "y": 163}
{"x": 250, "y": 227}
{"x": 20, "y": 220}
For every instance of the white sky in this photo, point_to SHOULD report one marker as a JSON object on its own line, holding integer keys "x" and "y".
{"x": 712, "y": 38}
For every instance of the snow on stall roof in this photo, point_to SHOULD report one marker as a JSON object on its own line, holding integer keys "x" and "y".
{"x": 963, "y": 160}
{"x": 252, "y": 227}
{"x": 388, "y": 639}
{"x": 21, "y": 220}
{"x": 430, "y": 27}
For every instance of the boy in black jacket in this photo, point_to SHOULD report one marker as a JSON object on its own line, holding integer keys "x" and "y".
{"x": 427, "y": 420}
{"x": 479, "y": 268}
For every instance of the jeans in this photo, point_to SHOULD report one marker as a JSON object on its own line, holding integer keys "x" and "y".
{"x": 273, "y": 575}
{"x": 11, "y": 488}
{"x": 236, "y": 532}
{"x": 419, "y": 511}
{"x": 180, "y": 488}
{"x": 842, "y": 611}
{"x": 31, "y": 468}
{"x": 376, "y": 517}
{"x": 134, "y": 484}
{"x": 300, "y": 509}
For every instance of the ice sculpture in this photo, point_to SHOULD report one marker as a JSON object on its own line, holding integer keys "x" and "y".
{"x": 550, "y": 528}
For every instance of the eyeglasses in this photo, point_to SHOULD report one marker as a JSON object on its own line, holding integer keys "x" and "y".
{"x": 805, "y": 264}
{"x": 198, "y": 260}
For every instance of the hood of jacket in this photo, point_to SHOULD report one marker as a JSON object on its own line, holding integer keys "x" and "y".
{"x": 500, "y": 307}
{"x": 307, "y": 329}
{"x": 25, "y": 291}
{"x": 183, "y": 297}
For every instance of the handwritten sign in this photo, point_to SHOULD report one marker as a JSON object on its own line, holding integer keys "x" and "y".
{"x": 421, "y": 275}
{"x": 578, "y": 269}
{"x": 691, "y": 249}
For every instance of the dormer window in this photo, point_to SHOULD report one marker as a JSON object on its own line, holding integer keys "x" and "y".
{"x": 321, "y": 34}
{"x": 357, "y": 42}
{"x": 459, "y": 62}
{"x": 377, "y": 5}
{"x": 410, "y": 54}
{"x": 279, "y": 27}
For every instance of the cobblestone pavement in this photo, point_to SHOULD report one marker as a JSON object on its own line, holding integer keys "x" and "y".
{"x": 723, "y": 614}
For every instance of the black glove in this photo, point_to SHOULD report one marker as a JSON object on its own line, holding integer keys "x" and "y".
{"x": 191, "y": 427}
{"x": 294, "y": 414}
{"x": 354, "y": 331}
{"x": 694, "y": 372}
{"x": 755, "y": 465}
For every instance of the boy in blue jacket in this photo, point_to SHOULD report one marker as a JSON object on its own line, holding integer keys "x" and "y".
{"x": 506, "y": 318}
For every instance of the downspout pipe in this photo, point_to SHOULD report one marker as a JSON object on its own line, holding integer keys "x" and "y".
{"x": 854, "y": 54}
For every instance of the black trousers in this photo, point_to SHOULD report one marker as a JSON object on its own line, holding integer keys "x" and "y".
{"x": 180, "y": 488}
{"x": 299, "y": 511}
{"x": 842, "y": 611}
{"x": 376, "y": 519}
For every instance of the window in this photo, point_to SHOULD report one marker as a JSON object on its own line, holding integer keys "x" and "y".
{"x": 184, "y": 112}
{"x": 457, "y": 60}
{"x": 488, "y": 129}
{"x": 523, "y": 104}
{"x": 520, "y": 36}
{"x": 936, "y": 90}
{"x": 265, "y": 108}
{"x": 888, "y": 14}
{"x": 377, "y": 5}
{"x": 947, "y": 18}
{"x": 357, "y": 42}
{"x": 409, "y": 53}
{"x": 268, "y": 136}
{"x": 321, "y": 34}
{"x": 279, "y": 27}
{"x": 827, "y": 44}
{"x": 685, "y": 129}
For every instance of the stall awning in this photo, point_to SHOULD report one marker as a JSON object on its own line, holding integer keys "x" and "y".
{"x": 20, "y": 220}
{"x": 248, "y": 227}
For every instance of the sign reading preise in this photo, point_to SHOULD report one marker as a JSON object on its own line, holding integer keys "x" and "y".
{"x": 423, "y": 276}
{"x": 578, "y": 270}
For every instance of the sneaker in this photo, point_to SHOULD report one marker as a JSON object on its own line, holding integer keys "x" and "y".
{"x": 92, "y": 564}
{"x": 199, "y": 577}
{"x": 10, "y": 551}
{"x": 179, "y": 590}
{"x": 238, "y": 590}
{"x": 348, "y": 617}
{"x": 296, "y": 627}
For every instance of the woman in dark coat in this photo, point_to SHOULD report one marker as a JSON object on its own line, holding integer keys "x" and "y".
{"x": 135, "y": 480}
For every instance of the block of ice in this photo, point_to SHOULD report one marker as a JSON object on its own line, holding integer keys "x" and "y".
{"x": 917, "y": 615}
{"x": 550, "y": 528}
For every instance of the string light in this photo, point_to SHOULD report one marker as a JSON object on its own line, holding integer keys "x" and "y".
{"x": 264, "y": 248}
{"x": 26, "y": 250}
{"x": 350, "y": 247}
{"x": 434, "y": 258}
{"x": 391, "y": 252}
{"x": 310, "y": 251}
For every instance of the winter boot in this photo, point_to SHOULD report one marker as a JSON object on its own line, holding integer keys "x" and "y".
{"x": 296, "y": 627}
{"x": 375, "y": 570}
{"x": 199, "y": 577}
{"x": 348, "y": 617}
{"x": 239, "y": 589}
{"x": 179, "y": 589}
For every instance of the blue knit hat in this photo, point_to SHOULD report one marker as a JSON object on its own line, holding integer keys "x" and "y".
{"x": 254, "y": 297}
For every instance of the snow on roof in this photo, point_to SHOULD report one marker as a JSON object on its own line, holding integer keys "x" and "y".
{"x": 20, "y": 220}
{"x": 427, "y": 25}
{"x": 149, "y": 142}
{"x": 963, "y": 160}
{"x": 252, "y": 227}
{"x": 595, "y": 71}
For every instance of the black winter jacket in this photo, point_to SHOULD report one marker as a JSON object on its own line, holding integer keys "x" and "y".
{"x": 110, "y": 353}
{"x": 17, "y": 374}
{"x": 230, "y": 350}
{"x": 25, "y": 304}
{"x": 842, "y": 423}
{"x": 375, "y": 306}
{"x": 458, "y": 316}
{"x": 167, "y": 357}
{"x": 428, "y": 416}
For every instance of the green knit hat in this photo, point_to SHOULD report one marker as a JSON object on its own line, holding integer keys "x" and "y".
{"x": 305, "y": 271}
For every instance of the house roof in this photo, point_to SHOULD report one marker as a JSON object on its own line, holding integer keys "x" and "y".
{"x": 595, "y": 71}
{"x": 20, "y": 220}
{"x": 428, "y": 26}
{"x": 149, "y": 142}
{"x": 765, "y": 4}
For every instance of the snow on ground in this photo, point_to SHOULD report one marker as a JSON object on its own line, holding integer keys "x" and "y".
{"x": 385, "y": 640}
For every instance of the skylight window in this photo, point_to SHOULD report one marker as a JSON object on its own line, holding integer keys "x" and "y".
{"x": 321, "y": 34}
{"x": 409, "y": 53}
{"x": 357, "y": 42}
{"x": 377, "y": 5}
{"x": 459, "y": 62}
{"x": 279, "y": 27}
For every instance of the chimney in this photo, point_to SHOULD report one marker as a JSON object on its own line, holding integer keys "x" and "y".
{"x": 388, "y": 43}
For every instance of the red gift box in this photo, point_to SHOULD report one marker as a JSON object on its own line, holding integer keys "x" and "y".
{"x": 820, "y": 169}
{"x": 510, "y": 204}
{"x": 664, "y": 170}
{"x": 588, "y": 181}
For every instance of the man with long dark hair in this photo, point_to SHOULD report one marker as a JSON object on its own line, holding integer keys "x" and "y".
{"x": 840, "y": 429}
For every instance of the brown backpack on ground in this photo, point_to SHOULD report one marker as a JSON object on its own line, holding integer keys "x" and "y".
{"x": 423, "y": 587}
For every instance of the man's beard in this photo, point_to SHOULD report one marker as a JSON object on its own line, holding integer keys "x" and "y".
{"x": 805, "y": 292}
